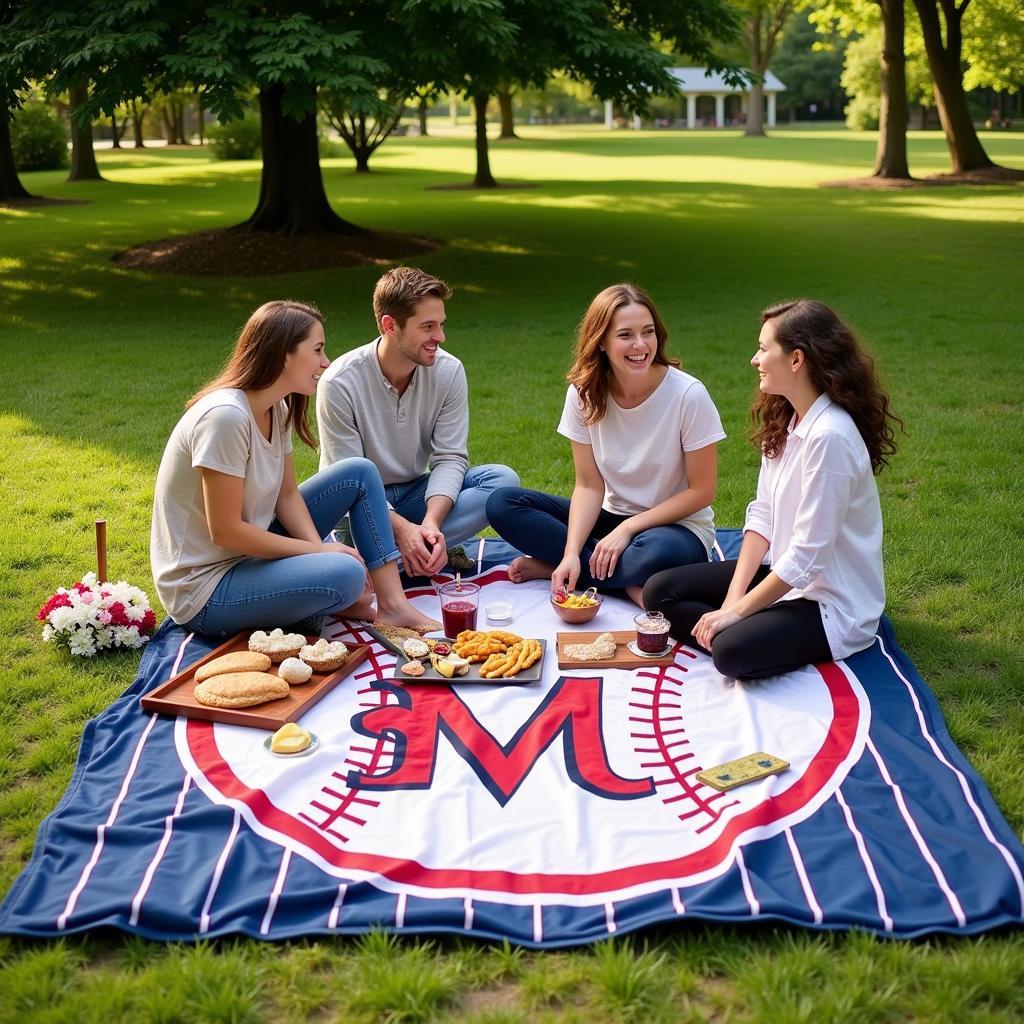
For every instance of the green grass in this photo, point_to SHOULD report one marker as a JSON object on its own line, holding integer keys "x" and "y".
{"x": 98, "y": 361}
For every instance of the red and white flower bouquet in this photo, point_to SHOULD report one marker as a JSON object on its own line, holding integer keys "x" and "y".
{"x": 93, "y": 616}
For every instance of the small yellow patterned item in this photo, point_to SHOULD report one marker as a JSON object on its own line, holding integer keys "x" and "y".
{"x": 744, "y": 769}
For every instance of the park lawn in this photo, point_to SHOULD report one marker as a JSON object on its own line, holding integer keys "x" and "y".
{"x": 98, "y": 361}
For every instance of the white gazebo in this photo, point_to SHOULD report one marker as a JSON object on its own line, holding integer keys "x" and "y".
{"x": 697, "y": 82}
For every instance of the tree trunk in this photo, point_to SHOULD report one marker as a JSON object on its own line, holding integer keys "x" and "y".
{"x": 292, "y": 198}
{"x": 362, "y": 155}
{"x": 83, "y": 158}
{"x": 201, "y": 118}
{"x": 138, "y": 116}
{"x": 508, "y": 124}
{"x": 484, "y": 178}
{"x": 10, "y": 184}
{"x": 755, "y": 108}
{"x": 423, "y": 115}
{"x": 891, "y": 156}
{"x": 966, "y": 152}
{"x": 115, "y": 135}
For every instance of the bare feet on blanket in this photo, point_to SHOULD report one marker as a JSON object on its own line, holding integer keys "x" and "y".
{"x": 404, "y": 613}
{"x": 363, "y": 609}
{"x": 526, "y": 568}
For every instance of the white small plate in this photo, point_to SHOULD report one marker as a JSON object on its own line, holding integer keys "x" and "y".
{"x": 633, "y": 649}
{"x": 314, "y": 742}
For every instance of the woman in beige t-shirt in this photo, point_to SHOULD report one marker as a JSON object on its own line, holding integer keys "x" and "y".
{"x": 236, "y": 544}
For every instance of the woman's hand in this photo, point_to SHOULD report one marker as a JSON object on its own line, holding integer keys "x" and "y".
{"x": 343, "y": 549}
{"x": 566, "y": 574}
{"x": 710, "y": 624}
{"x": 607, "y": 551}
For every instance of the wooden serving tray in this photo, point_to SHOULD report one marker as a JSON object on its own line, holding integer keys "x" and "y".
{"x": 624, "y": 657}
{"x": 175, "y": 696}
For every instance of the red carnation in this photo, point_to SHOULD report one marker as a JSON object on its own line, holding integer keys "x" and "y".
{"x": 148, "y": 623}
{"x": 117, "y": 615}
{"x": 80, "y": 587}
{"x": 57, "y": 601}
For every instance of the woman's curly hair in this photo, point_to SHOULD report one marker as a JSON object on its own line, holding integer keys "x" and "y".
{"x": 839, "y": 368}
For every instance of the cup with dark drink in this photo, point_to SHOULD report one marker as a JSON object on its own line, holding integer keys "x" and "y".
{"x": 459, "y": 602}
{"x": 651, "y": 632}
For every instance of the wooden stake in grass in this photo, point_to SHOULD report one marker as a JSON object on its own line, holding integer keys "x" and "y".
{"x": 101, "y": 550}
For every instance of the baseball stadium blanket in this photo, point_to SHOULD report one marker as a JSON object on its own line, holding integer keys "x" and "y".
{"x": 548, "y": 813}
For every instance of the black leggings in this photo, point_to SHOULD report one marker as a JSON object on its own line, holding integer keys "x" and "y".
{"x": 779, "y": 638}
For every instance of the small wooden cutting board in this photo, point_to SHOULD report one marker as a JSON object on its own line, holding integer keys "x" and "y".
{"x": 624, "y": 657}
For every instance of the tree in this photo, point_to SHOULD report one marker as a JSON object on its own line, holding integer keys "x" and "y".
{"x": 859, "y": 17}
{"x": 764, "y": 24}
{"x": 993, "y": 44}
{"x": 811, "y": 73}
{"x": 492, "y": 44}
{"x": 137, "y": 110}
{"x": 363, "y": 122}
{"x": 83, "y": 156}
{"x": 12, "y": 84}
{"x": 508, "y": 122}
{"x": 944, "y": 58}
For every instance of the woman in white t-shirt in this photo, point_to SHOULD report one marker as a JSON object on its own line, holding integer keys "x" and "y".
{"x": 643, "y": 437}
{"x": 235, "y": 543}
{"x": 807, "y": 586}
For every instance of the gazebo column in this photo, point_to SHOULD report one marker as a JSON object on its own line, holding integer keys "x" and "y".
{"x": 691, "y": 111}
{"x": 719, "y": 110}
{"x": 608, "y": 120}
{"x": 771, "y": 110}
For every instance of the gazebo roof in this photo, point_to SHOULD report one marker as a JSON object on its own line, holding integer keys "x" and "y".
{"x": 700, "y": 82}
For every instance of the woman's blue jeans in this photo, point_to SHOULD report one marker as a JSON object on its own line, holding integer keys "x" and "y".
{"x": 538, "y": 524}
{"x": 259, "y": 593}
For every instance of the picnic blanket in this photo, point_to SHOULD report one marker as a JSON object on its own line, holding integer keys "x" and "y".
{"x": 551, "y": 813}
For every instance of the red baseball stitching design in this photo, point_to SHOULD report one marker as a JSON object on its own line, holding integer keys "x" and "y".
{"x": 662, "y": 700}
{"x": 337, "y": 803}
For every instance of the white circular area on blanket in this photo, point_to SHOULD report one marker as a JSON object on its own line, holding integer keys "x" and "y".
{"x": 572, "y": 790}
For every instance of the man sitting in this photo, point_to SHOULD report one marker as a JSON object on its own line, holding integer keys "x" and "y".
{"x": 402, "y": 402}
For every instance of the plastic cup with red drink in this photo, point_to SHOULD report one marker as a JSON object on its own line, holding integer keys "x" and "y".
{"x": 459, "y": 603}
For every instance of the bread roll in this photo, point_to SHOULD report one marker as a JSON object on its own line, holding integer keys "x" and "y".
{"x": 238, "y": 661}
{"x": 240, "y": 689}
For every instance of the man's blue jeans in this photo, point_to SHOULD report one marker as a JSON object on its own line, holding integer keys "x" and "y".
{"x": 259, "y": 593}
{"x": 538, "y": 524}
{"x": 469, "y": 513}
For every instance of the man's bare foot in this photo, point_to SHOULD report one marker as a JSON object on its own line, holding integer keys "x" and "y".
{"x": 636, "y": 595}
{"x": 363, "y": 609}
{"x": 526, "y": 568}
{"x": 403, "y": 612}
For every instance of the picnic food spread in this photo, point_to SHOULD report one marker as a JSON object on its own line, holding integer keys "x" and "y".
{"x": 324, "y": 655}
{"x": 277, "y": 643}
{"x": 240, "y": 689}
{"x": 290, "y": 739}
{"x": 295, "y": 671}
{"x": 601, "y": 649}
{"x": 510, "y": 663}
{"x": 413, "y": 668}
{"x": 238, "y": 661}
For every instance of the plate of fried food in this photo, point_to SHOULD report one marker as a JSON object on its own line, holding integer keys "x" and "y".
{"x": 474, "y": 656}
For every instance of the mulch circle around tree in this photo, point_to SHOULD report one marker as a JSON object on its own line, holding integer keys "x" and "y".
{"x": 468, "y": 186}
{"x": 237, "y": 252}
{"x": 42, "y": 201}
{"x": 987, "y": 176}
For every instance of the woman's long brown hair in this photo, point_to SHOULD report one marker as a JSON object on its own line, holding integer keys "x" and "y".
{"x": 272, "y": 332}
{"x": 591, "y": 369}
{"x": 839, "y": 368}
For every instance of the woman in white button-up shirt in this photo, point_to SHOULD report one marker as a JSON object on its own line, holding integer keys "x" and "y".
{"x": 807, "y": 586}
